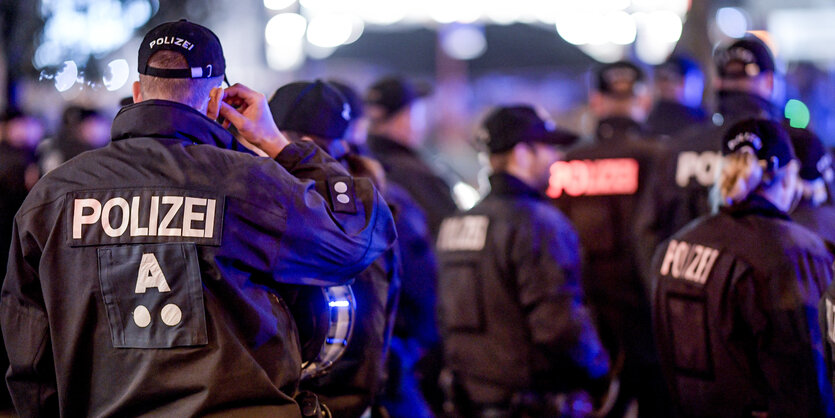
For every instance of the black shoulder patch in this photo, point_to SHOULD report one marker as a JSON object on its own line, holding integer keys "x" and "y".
{"x": 153, "y": 295}
{"x": 342, "y": 193}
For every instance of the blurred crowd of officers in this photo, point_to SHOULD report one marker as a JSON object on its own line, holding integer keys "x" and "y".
{"x": 675, "y": 264}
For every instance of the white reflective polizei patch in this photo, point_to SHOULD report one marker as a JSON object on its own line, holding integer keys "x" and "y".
{"x": 465, "y": 233}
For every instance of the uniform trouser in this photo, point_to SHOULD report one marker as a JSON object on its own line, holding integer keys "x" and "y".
{"x": 627, "y": 331}
{"x": 475, "y": 398}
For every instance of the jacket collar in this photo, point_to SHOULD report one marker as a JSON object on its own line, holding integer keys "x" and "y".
{"x": 618, "y": 129}
{"x": 755, "y": 205}
{"x": 171, "y": 120}
{"x": 735, "y": 105}
{"x": 506, "y": 184}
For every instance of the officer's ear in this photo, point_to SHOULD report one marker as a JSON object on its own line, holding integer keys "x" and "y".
{"x": 136, "y": 89}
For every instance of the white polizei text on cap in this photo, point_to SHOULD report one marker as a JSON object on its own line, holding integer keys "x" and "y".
{"x": 172, "y": 40}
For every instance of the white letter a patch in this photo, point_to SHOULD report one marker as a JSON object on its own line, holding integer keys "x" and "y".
{"x": 150, "y": 275}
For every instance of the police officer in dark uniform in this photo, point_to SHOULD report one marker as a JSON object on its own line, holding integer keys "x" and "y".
{"x": 735, "y": 306}
{"x": 678, "y": 83}
{"x": 396, "y": 124}
{"x": 396, "y": 115}
{"x": 141, "y": 274}
{"x": 598, "y": 188}
{"x": 319, "y": 113}
{"x": 681, "y": 189}
{"x": 511, "y": 309}
{"x": 19, "y": 137}
{"x": 814, "y": 210}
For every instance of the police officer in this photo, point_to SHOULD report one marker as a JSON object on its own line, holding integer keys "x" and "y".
{"x": 511, "y": 308}
{"x": 678, "y": 83}
{"x": 82, "y": 129}
{"x": 736, "y": 297}
{"x": 19, "y": 136}
{"x": 319, "y": 113}
{"x": 141, "y": 274}
{"x": 681, "y": 190}
{"x": 814, "y": 210}
{"x": 397, "y": 122}
{"x": 598, "y": 187}
{"x": 396, "y": 116}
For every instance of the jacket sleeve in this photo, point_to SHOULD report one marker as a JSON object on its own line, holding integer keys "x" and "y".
{"x": 652, "y": 224}
{"x": 305, "y": 220}
{"x": 548, "y": 286}
{"x": 31, "y": 377}
{"x": 781, "y": 313}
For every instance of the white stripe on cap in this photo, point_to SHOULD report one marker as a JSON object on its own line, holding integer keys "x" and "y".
{"x": 196, "y": 72}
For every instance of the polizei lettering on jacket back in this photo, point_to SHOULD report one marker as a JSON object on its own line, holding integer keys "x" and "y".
{"x": 128, "y": 216}
{"x": 703, "y": 167}
{"x": 688, "y": 261}
{"x": 464, "y": 233}
{"x": 609, "y": 176}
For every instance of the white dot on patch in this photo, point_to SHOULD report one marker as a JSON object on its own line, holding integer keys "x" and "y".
{"x": 343, "y": 198}
{"x": 340, "y": 187}
{"x": 171, "y": 314}
{"x": 141, "y": 316}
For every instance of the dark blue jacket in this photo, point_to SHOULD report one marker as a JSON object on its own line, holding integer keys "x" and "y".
{"x": 141, "y": 274}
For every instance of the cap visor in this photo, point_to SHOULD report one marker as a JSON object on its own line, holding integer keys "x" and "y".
{"x": 559, "y": 137}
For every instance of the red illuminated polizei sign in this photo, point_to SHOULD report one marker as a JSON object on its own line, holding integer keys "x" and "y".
{"x": 612, "y": 176}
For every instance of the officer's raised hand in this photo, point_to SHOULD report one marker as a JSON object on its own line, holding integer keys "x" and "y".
{"x": 248, "y": 111}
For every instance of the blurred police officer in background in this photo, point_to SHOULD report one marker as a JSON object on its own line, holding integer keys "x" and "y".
{"x": 411, "y": 369}
{"x": 357, "y": 129}
{"x": 598, "y": 188}
{"x": 397, "y": 120}
{"x": 82, "y": 129}
{"x": 681, "y": 188}
{"x": 511, "y": 307}
{"x": 142, "y": 275}
{"x": 318, "y": 112}
{"x": 20, "y": 134}
{"x": 814, "y": 210}
{"x": 735, "y": 305}
{"x": 678, "y": 85}
{"x": 397, "y": 126}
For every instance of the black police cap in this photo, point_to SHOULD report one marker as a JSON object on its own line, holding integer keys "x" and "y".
{"x": 620, "y": 79}
{"x": 199, "y": 45}
{"x": 507, "y": 126}
{"x": 767, "y": 139}
{"x": 814, "y": 159}
{"x": 313, "y": 108}
{"x": 747, "y": 57}
{"x": 394, "y": 93}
